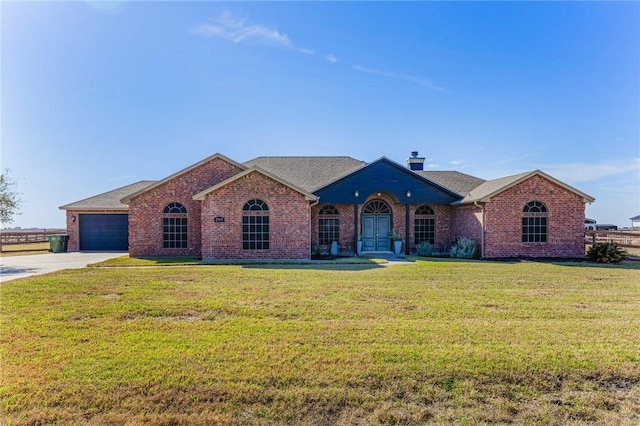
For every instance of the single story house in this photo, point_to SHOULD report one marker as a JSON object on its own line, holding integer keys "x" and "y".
{"x": 285, "y": 207}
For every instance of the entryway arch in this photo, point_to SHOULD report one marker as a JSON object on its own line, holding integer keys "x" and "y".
{"x": 376, "y": 226}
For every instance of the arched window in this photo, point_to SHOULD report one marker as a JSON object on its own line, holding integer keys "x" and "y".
{"x": 534, "y": 223}
{"x": 424, "y": 225}
{"x": 255, "y": 225}
{"x": 328, "y": 225}
{"x": 376, "y": 207}
{"x": 174, "y": 226}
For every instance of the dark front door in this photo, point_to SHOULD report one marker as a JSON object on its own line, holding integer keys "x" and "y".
{"x": 376, "y": 232}
{"x": 376, "y": 226}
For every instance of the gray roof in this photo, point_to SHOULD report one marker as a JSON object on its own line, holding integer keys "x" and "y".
{"x": 457, "y": 182}
{"x": 127, "y": 198}
{"x": 312, "y": 173}
{"x": 308, "y": 173}
{"x": 109, "y": 200}
{"x": 489, "y": 188}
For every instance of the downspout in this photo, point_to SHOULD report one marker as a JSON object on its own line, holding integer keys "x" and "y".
{"x": 315, "y": 203}
{"x": 481, "y": 207}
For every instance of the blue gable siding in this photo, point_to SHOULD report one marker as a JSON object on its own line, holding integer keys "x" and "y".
{"x": 386, "y": 176}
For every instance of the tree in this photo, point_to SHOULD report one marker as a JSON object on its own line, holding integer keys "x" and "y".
{"x": 9, "y": 199}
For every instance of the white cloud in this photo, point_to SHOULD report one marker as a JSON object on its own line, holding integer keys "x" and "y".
{"x": 236, "y": 30}
{"x": 331, "y": 58}
{"x": 425, "y": 82}
{"x": 456, "y": 162}
{"x": 584, "y": 172}
{"x": 432, "y": 166}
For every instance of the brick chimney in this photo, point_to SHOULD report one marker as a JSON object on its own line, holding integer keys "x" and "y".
{"x": 414, "y": 162}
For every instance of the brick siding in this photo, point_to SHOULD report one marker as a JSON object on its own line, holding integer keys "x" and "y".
{"x": 289, "y": 216}
{"x": 565, "y": 223}
{"x": 443, "y": 225}
{"x": 146, "y": 210}
{"x": 345, "y": 215}
{"x": 466, "y": 222}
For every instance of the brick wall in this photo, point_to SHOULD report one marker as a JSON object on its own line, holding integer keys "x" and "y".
{"x": 289, "y": 220}
{"x": 443, "y": 225}
{"x": 345, "y": 212}
{"x": 146, "y": 210}
{"x": 466, "y": 222}
{"x": 503, "y": 231}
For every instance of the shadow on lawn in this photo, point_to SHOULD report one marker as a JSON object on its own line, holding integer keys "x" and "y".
{"x": 334, "y": 264}
{"x": 633, "y": 263}
{"x": 319, "y": 266}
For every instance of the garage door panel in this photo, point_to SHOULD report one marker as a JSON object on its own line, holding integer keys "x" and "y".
{"x": 104, "y": 231}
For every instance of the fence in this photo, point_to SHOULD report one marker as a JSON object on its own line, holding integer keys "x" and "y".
{"x": 625, "y": 239}
{"x": 28, "y": 235}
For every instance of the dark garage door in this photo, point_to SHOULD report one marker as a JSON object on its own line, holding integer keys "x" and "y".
{"x": 104, "y": 232}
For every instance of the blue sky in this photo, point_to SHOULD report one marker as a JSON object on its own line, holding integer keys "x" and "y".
{"x": 98, "y": 95}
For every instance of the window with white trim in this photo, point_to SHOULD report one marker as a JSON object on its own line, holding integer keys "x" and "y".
{"x": 255, "y": 225}
{"x": 328, "y": 225}
{"x": 174, "y": 226}
{"x": 424, "y": 225}
{"x": 534, "y": 222}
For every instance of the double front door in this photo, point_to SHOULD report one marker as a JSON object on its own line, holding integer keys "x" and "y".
{"x": 376, "y": 232}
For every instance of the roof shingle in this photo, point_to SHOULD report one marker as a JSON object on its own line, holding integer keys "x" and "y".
{"x": 109, "y": 200}
{"x": 309, "y": 173}
{"x": 457, "y": 182}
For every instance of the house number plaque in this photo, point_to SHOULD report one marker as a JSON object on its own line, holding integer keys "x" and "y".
{"x": 218, "y": 219}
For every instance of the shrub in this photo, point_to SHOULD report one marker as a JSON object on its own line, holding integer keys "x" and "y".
{"x": 608, "y": 252}
{"x": 424, "y": 249}
{"x": 464, "y": 248}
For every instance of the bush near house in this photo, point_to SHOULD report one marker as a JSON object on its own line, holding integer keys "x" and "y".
{"x": 424, "y": 249}
{"x": 608, "y": 252}
{"x": 463, "y": 248}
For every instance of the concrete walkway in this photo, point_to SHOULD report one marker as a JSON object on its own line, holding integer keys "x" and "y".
{"x": 394, "y": 259}
{"x": 14, "y": 267}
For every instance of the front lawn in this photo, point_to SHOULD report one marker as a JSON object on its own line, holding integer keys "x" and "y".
{"x": 23, "y": 249}
{"x": 437, "y": 340}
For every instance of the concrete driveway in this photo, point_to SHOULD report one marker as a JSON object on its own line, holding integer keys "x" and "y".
{"x": 14, "y": 267}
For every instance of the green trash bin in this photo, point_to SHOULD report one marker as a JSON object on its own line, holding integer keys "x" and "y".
{"x": 58, "y": 243}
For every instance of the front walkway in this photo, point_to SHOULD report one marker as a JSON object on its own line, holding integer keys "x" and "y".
{"x": 389, "y": 257}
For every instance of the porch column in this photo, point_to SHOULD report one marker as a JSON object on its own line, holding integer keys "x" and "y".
{"x": 407, "y": 249}
{"x": 355, "y": 228}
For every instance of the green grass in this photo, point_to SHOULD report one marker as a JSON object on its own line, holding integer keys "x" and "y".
{"x": 126, "y": 261}
{"x": 438, "y": 341}
{"x": 24, "y": 249}
{"x": 123, "y": 261}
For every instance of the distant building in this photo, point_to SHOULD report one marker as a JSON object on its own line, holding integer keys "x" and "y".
{"x": 606, "y": 227}
{"x": 635, "y": 222}
{"x": 590, "y": 224}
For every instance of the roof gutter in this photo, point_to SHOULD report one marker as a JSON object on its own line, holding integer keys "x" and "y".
{"x": 481, "y": 207}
